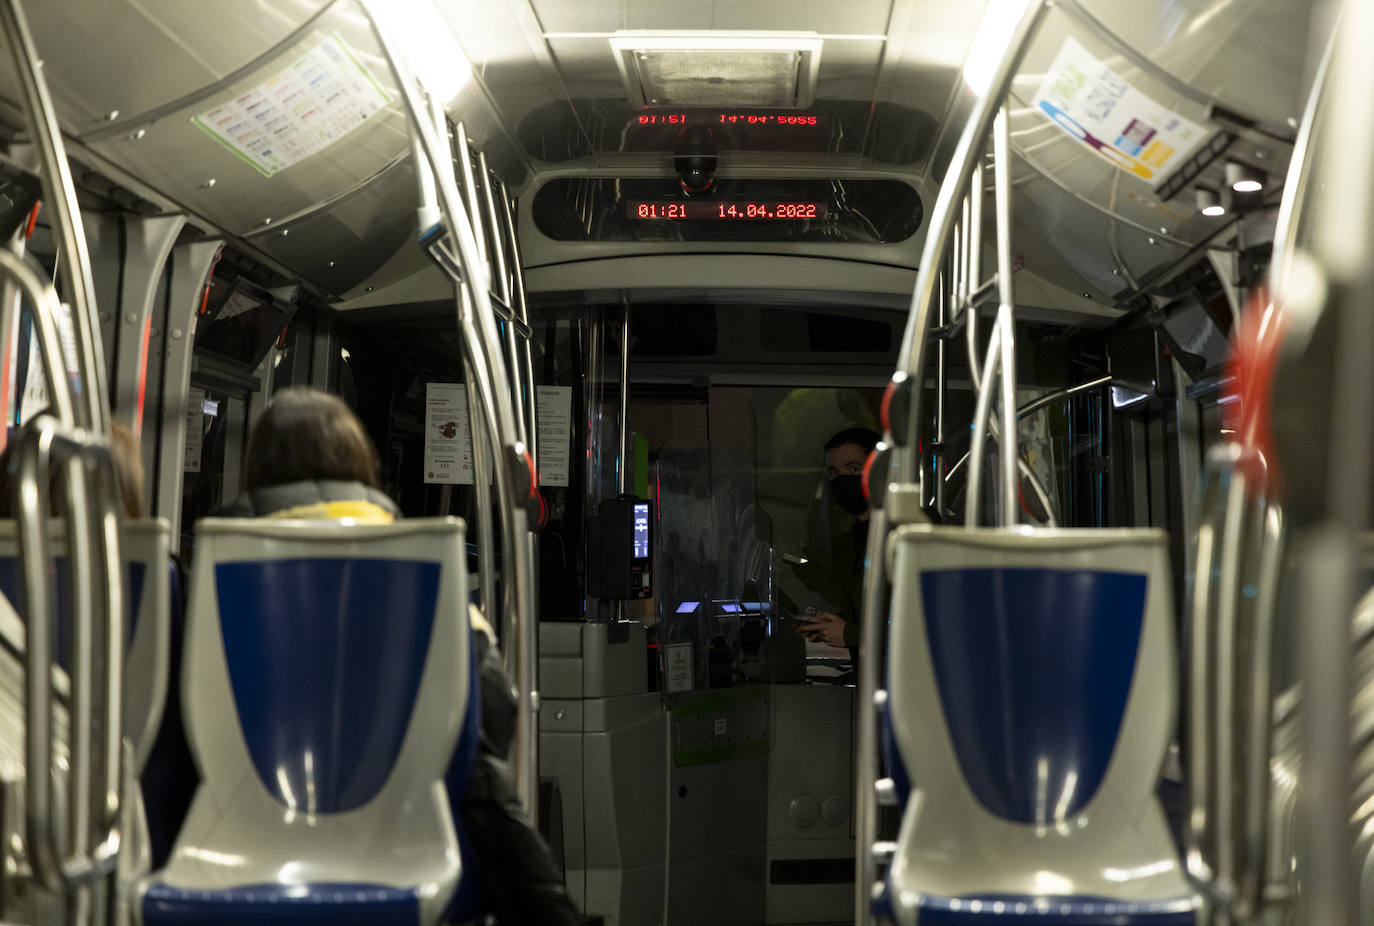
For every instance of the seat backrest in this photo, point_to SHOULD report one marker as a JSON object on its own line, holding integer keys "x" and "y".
{"x": 326, "y": 672}
{"x": 1032, "y": 679}
{"x": 145, "y": 545}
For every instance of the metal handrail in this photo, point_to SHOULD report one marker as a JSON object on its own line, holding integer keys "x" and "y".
{"x": 1332, "y": 293}
{"x": 482, "y": 462}
{"x": 1299, "y": 173}
{"x": 478, "y": 334}
{"x": 1034, "y": 405}
{"x": 501, "y": 275}
{"x": 92, "y": 409}
{"x": 966, "y": 160}
{"x": 520, "y": 304}
{"x": 967, "y": 153}
{"x": 96, "y": 778}
{"x": 1229, "y": 846}
{"x": 92, "y": 848}
{"x": 1001, "y": 358}
{"x": 872, "y": 636}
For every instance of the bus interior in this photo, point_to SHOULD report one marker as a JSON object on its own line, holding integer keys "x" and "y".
{"x": 690, "y": 339}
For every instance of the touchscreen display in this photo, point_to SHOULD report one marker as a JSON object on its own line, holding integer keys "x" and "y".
{"x": 641, "y": 535}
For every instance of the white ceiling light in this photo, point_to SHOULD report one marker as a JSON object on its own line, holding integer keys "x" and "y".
{"x": 1243, "y": 178}
{"x": 990, "y": 42}
{"x": 429, "y": 45}
{"x": 718, "y": 68}
{"x": 1209, "y": 202}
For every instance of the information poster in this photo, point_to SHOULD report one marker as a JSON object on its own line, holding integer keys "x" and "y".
{"x": 553, "y": 406}
{"x": 677, "y": 667}
{"x": 35, "y": 396}
{"x": 1098, "y": 107}
{"x": 195, "y": 429}
{"x": 320, "y": 98}
{"x": 448, "y": 439}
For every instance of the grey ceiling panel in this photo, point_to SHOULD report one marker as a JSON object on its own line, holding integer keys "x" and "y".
{"x": 1088, "y": 173}
{"x": 132, "y": 56}
{"x": 179, "y": 158}
{"x": 824, "y": 16}
{"x": 504, "y": 43}
{"x": 862, "y": 17}
{"x": 588, "y": 67}
{"x": 1247, "y": 53}
{"x": 341, "y": 246}
{"x": 610, "y": 15}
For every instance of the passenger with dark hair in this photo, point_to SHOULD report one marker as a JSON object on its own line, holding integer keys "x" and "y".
{"x": 840, "y": 577}
{"x": 309, "y": 457}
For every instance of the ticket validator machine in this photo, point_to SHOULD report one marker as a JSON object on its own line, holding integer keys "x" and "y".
{"x": 620, "y": 547}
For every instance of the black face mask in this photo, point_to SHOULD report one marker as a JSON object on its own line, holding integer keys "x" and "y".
{"x": 849, "y": 493}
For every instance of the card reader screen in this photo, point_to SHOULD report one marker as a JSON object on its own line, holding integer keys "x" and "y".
{"x": 641, "y": 537}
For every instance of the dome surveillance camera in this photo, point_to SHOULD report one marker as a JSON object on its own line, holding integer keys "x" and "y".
{"x": 694, "y": 159}
{"x": 696, "y": 172}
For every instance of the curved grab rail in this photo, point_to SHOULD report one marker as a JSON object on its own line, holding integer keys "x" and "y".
{"x": 93, "y": 837}
{"x": 943, "y": 217}
{"x": 99, "y": 647}
{"x": 952, "y": 203}
{"x": 477, "y": 326}
{"x": 44, "y": 133}
{"x": 75, "y": 438}
{"x": 1230, "y": 839}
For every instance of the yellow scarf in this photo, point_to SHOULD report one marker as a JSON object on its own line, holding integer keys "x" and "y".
{"x": 360, "y": 512}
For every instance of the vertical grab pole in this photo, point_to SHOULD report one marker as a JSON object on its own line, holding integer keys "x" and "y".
{"x": 483, "y": 443}
{"x": 460, "y": 140}
{"x": 967, "y": 155}
{"x": 939, "y": 454}
{"x": 502, "y": 278}
{"x": 31, "y": 505}
{"x": 1344, "y": 220}
{"x": 521, "y": 307}
{"x": 429, "y": 219}
{"x": 623, "y": 461}
{"x": 33, "y": 458}
{"x": 59, "y": 192}
{"x": 865, "y": 773}
{"x": 1001, "y": 172}
{"x": 981, "y": 426}
{"x": 513, "y": 462}
{"x": 91, "y": 410}
{"x": 943, "y": 215}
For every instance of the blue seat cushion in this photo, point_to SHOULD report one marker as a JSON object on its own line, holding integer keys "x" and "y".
{"x": 1034, "y": 669}
{"x": 1047, "y": 910}
{"x": 335, "y": 904}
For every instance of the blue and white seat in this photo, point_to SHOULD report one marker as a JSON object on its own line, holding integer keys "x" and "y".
{"x": 326, "y": 677}
{"x": 1031, "y": 694}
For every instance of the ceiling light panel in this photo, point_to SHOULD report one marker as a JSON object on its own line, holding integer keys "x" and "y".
{"x": 718, "y": 68}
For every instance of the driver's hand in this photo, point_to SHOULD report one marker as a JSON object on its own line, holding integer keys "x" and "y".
{"x": 823, "y": 627}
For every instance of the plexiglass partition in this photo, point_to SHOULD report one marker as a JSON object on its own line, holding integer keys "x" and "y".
{"x": 716, "y": 606}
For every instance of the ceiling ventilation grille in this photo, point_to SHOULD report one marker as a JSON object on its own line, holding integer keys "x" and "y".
{"x": 710, "y": 69}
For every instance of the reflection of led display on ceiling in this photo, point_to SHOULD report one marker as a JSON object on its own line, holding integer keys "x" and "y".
{"x": 768, "y": 119}
{"x": 737, "y": 119}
